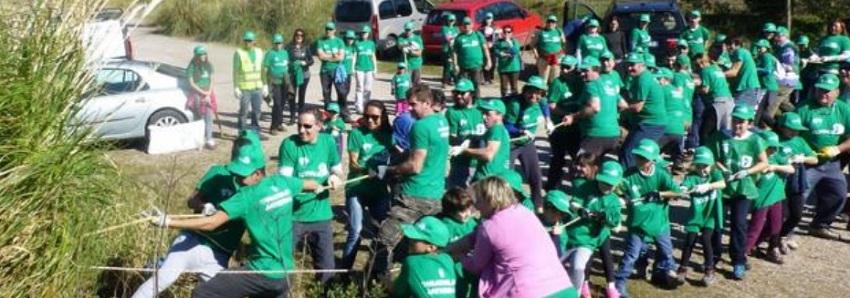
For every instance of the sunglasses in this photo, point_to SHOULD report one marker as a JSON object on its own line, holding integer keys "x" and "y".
{"x": 508, "y": 32}
{"x": 375, "y": 118}
{"x": 306, "y": 126}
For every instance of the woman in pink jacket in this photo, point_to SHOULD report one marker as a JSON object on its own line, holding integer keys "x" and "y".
{"x": 510, "y": 249}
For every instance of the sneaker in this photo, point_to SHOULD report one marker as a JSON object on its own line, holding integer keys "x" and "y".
{"x": 709, "y": 278}
{"x": 585, "y": 290}
{"x": 791, "y": 243}
{"x": 681, "y": 273}
{"x": 272, "y": 131}
{"x": 210, "y": 145}
{"x": 824, "y": 233}
{"x": 775, "y": 256}
{"x": 280, "y": 128}
{"x": 739, "y": 271}
{"x": 611, "y": 292}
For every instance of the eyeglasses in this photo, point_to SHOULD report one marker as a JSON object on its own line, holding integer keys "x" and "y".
{"x": 375, "y": 118}
{"x": 508, "y": 32}
{"x": 306, "y": 126}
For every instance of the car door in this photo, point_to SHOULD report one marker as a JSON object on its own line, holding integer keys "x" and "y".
{"x": 119, "y": 105}
{"x": 423, "y": 7}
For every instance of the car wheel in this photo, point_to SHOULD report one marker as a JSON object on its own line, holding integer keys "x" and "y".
{"x": 164, "y": 118}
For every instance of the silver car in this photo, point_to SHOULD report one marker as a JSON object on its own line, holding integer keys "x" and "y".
{"x": 131, "y": 95}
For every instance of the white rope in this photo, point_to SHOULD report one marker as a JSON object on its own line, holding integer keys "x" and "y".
{"x": 295, "y": 271}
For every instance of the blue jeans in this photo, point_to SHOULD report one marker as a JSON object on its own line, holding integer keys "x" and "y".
{"x": 827, "y": 190}
{"x": 636, "y": 251}
{"x": 739, "y": 208}
{"x": 250, "y": 102}
{"x": 642, "y": 131}
{"x": 378, "y": 209}
{"x": 750, "y": 97}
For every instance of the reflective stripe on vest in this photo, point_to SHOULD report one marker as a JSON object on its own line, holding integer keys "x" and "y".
{"x": 250, "y": 74}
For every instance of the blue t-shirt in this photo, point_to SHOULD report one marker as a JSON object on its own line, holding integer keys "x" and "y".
{"x": 401, "y": 130}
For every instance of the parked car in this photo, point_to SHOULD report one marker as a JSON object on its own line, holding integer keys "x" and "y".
{"x": 131, "y": 95}
{"x": 666, "y": 20}
{"x": 385, "y": 17}
{"x": 505, "y": 12}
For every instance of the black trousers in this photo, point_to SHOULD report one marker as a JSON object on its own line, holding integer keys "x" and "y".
{"x": 242, "y": 285}
{"x": 708, "y": 246}
{"x": 342, "y": 89}
{"x": 301, "y": 92}
{"x": 561, "y": 142}
{"x": 529, "y": 162}
{"x": 281, "y": 95}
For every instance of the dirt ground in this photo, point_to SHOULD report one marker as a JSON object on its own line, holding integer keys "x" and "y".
{"x": 818, "y": 269}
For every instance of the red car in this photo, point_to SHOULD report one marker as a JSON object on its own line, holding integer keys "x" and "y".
{"x": 505, "y": 12}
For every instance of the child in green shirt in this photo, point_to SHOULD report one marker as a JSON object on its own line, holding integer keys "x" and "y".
{"x": 400, "y": 84}
{"x": 768, "y": 205}
{"x": 457, "y": 216}
{"x": 334, "y": 125}
{"x": 801, "y": 155}
{"x": 556, "y": 212}
{"x": 426, "y": 272}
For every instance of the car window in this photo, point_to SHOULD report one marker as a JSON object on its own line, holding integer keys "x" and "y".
{"x": 353, "y": 11}
{"x": 386, "y": 10}
{"x": 661, "y": 22}
{"x": 437, "y": 17}
{"x": 403, "y": 8}
{"x": 117, "y": 81}
{"x": 481, "y": 13}
{"x": 509, "y": 11}
{"x": 423, "y": 6}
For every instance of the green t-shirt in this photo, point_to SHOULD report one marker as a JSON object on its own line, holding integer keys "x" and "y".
{"x": 266, "y": 210}
{"x": 674, "y": 101}
{"x": 334, "y": 127}
{"x": 696, "y": 39}
{"x": 465, "y": 123}
{"x": 747, "y": 78}
{"x": 502, "y": 159}
{"x": 796, "y": 145}
{"x": 430, "y": 133}
{"x": 367, "y": 144}
{"x": 561, "y": 94}
{"x": 589, "y": 233}
{"x": 766, "y": 69}
{"x": 449, "y": 34}
{"x": 467, "y": 283}
{"x": 684, "y": 80}
{"x": 348, "y": 60}
{"x": 216, "y": 187}
{"x": 330, "y": 46}
{"x": 724, "y": 60}
{"x": 736, "y": 155}
{"x": 713, "y": 77}
{"x": 426, "y": 275}
{"x": 640, "y": 39}
{"x": 201, "y": 75}
{"x": 470, "y": 50}
{"x": 523, "y": 116}
{"x": 415, "y": 41}
{"x": 647, "y": 217}
{"x": 313, "y": 162}
{"x": 277, "y": 63}
{"x": 646, "y": 88}
{"x": 706, "y": 210}
{"x": 592, "y": 45}
{"x": 401, "y": 84}
{"x": 507, "y": 56}
{"x": 833, "y": 45}
{"x": 771, "y": 186}
{"x": 549, "y": 41}
{"x": 365, "y": 54}
{"x": 605, "y": 123}
{"x": 827, "y": 124}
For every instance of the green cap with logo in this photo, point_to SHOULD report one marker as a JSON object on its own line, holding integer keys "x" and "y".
{"x": 803, "y": 40}
{"x": 200, "y": 50}
{"x": 428, "y": 229}
{"x": 249, "y": 36}
{"x": 781, "y": 30}
{"x": 569, "y": 60}
{"x": 611, "y": 173}
{"x": 551, "y": 18}
{"x": 769, "y": 27}
{"x": 589, "y": 62}
{"x": 450, "y": 17}
{"x": 683, "y": 60}
{"x": 791, "y": 120}
{"x": 649, "y": 60}
{"x": 255, "y": 145}
{"x": 743, "y": 111}
{"x": 349, "y": 34}
{"x": 703, "y": 156}
{"x": 593, "y": 23}
{"x": 762, "y": 43}
{"x": 695, "y": 14}
{"x": 330, "y": 26}
{"x": 514, "y": 179}
{"x": 464, "y": 85}
{"x": 720, "y": 38}
{"x": 492, "y": 104}
{"x": 606, "y": 55}
{"x": 401, "y": 65}
{"x": 827, "y": 82}
{"x": 467, "y": 21}
{"x": 536, "y": 82}
{"x": 771, "y": 138}
{"x": 489, "y": 16}
{"x": 664, "y": 73}
{"x": 634, "y": 57}
{"x": 277, "y": 38}
{"x": 648, "y": 149}
{"x": 246, "y": 162}
{"x": 559, "y": 199}
{"x": 366, "y": 29}
{"x": 408, "y": 26}
{"x": 644, "y": 17}
{"x": 682, "y": 43}
{"x": 333, "y": 107}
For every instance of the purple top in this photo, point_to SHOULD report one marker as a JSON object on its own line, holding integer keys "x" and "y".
{"x": 515, "y": 257}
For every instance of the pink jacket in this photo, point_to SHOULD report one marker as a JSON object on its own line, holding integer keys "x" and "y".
{"x": 515, "y": 257}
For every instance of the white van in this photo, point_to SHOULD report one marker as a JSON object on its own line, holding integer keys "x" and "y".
{"x": 386, "y": 17}
{"x": 105, "y": 38}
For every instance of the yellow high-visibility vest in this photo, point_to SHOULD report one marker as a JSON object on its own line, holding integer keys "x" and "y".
{"x": 250, "y": 73}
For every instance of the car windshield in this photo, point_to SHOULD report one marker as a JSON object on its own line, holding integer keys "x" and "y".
{"x": 353, "y": 11}
{"x": 661, "y": 22}
{"x": 438, "y": 16}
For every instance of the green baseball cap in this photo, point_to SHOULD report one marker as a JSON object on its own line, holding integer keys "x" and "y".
{"x": 466, "y": 20}
{"x": 827, "y": 82}
{"x": 428, "y": 229}
{"x": 792, "y": 121}
{"x": 593, "y": 23}
{"x": 559, "y": 199}
{"x": 664, "y": 73}
{"x": 402, "y": 65}
{"x": 277, "y": 38}
{"x": 366, "y": 29}
{"x": 683, "y": 60}
{"x": 606, "y": 55}
{"x": 762, "y": 43}
{"x": 489, "y": 16}
{"x": 551, "y": 18}
{"x": 408, "y": 26}
{"x": 589, "y": 62}
{"x": 743, "y": 111}
{"x": 246, "y": 162}
{"x": 536, "y": 82}
{"x": 644, "y": 17}
{"x": 771, "y": 138}
{"x": 703, "y": 156}
{"x": 803, "y": 40}
{"x": 569, "y": 60}
{"x": 350, "y": 34}
{"x": 634, "y": 57}
{"x": 769, "y": 27}
{"x": 255, "y": 145}
{"x": 695, "y": 13}
{"x": 330, "y": 26}
{"x": 720, "y": 38}
{"x": 514, "y": 179}
{"x": 249, "y": 36}
{"x": 451, "y": 17}
{"x": 200, "y": 50}
{"x": 781, "y": 30}
{"x": 649, "y": 60}
{"x": 333, "y": 107}
{"x": 464, "y": 85}
{"x": 647, "y": 148}
{"x": 492, "y": 104}
{"x": 611, "y": 173}
{"x": 682, "y": 43}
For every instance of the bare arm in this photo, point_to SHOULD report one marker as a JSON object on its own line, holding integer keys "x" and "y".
{"x": 486, "y": 153}
{"x": 207, "y": 223}
{"x": 783, "y": 169}
{"x": 760, "y": 166}
{"x": 353, "y": 161}
{"x": 412, "y": 166}
{"x": 733, "y": 71}
{"x": 635, "y": 107}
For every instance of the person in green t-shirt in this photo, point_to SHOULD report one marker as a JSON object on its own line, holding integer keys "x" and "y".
{"x": 716, "y": 97}
{"x": 597, "y": 115}
{"x": 695, "y": 35}
{"x": 201, "y": 100}
{"x": 705, "y": 214}
{"x": 264, "y": 206}
{"x": 832, "y": 49}
{"x": 332, "y": 51}
{"x": 276, "y": 65}
{"x": 312, "y": 155}
{"x": 400, "y": 84}
{"x": 591, "y": 44}
{"x": 466, "y": 127}
{"x": 426, "y": 271}
{"x": 741, "y": 156}
{"x": 449, "y": 32}
{"x": 471, "y": 55}
{"x": 673, "y": 141}
{"x": 648, "y": 188}
{"x": 555, "y": 216}
{"x": 640, "y": 38}
{"x": 562, "y": 101}
{"x": 494, "y": 156}
{"x": 523, "y": 115}
{"x": 766, "y": 66}
{"x": 508, "y": 60}
{"x": 365, "y": 62}
{"x": 547, "y": 45}
{"x": 646, "y": 104}
{"x": 743, "y": 74}
{"x": 766, "y": 220}
{"x": 334, "y": 126}
{"x": 457, "y": 215}
{"x": 411, "y": 46}
{"x": 719, "y": 52}
{"x": 801, "y": 155}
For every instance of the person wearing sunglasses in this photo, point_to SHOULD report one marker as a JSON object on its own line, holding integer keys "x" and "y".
{"x": 523, "y": 115}
{"x": 507, "y": 54}
{"x": 300, "y": 53}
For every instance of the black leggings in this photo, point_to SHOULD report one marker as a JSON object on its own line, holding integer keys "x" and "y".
{"x": 707, "y": 248}
{"x": 604, "y": 254}
{"x": 301, "y": 92}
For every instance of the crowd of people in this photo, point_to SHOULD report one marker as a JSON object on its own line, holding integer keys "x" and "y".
{"x": 752, "y": 134}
